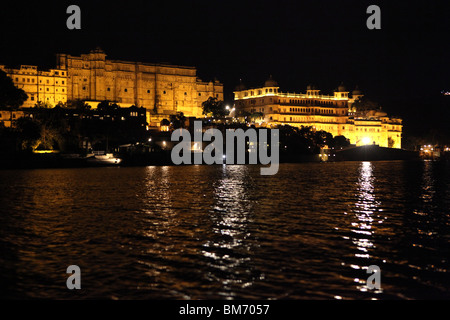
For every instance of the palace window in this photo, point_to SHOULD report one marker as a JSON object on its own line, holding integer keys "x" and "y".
{"x": 126, "y": 90}
{"x": 148, "y": 91}
{"x": 108, "y": 89}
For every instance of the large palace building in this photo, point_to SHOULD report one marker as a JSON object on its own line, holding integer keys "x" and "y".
{"x": 49, "y": 87}
{"x": 337, "y": 114}
{"x": 162, "y": 89}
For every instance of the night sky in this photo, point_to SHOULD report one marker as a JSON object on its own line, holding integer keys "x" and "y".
{"x": 404, "y": 66}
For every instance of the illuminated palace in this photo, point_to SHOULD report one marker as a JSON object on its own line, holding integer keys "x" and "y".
{"x": 337, "y": 114}
{"x": 162, "y": 89}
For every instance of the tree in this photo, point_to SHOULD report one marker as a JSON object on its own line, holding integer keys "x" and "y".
{"x": 107, "y": 105}
{"x": 10, "y": 96}
{"x": 256, "y": 115}
{"x": 340, "y": 142}
{"x": 214, "y": 107}
{"x": 178, "y": 120}
{"x": 364, "y": 104}
{"x": 40, "y": 104}
{"x": 78, "y": 104}
{"x": 29, "y": 133}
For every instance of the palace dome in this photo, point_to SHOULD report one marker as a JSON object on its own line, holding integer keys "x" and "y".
{"x": 341, "y": 88}
{"x": 240, "y": 86}
{"x": 356, "y": 92}
{"x": 270, "y": 82}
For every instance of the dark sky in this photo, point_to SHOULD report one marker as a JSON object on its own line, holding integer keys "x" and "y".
{"x": 403, "y": 66}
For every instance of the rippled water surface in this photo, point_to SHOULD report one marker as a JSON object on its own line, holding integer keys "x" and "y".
{"x": 226, "y": 232}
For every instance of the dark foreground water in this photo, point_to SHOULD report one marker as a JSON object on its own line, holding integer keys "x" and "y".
{"x": 226, "y": 232}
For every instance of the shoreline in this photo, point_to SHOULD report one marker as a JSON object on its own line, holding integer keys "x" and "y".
{"x": 60, "y": 161}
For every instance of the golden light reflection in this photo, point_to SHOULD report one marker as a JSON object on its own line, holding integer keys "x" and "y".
{"x": 428, "y": 190}
{"x": 365, "y": 208}
{"x": 229, "y": 250}
{"x": 159, "y": 196}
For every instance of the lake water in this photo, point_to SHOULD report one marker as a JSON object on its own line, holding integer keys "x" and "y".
{"x": 226, "y": 232}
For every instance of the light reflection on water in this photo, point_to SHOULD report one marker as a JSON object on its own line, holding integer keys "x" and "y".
{"x": 225, "y": 232}
{"x": 366, "y": 208}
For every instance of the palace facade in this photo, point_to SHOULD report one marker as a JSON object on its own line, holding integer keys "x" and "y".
{"x": 162, "y": 89}
{"x": 48, "y": 87}
{"x": 337, "y": 114}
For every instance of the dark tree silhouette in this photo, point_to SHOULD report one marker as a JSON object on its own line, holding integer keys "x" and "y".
{"x": 10, "y": 96}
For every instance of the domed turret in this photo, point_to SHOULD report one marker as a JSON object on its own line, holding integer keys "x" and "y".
{"x": 270, "y": 82}
{"x": 357, "y": 92}
{"x": 341, "y": 92}
{"x": 341, "y": 88}
{"x": 240, "y": 86}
